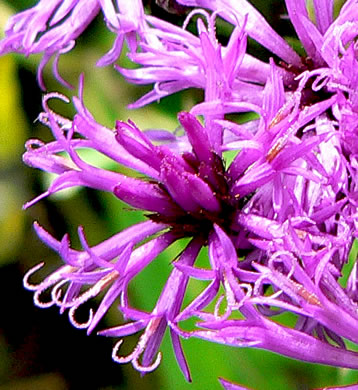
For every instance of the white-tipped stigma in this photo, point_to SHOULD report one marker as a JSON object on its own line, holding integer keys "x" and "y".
{"x": 248, "y": 294}
{"x": 133, "y": 357}
{"x": 193, "y": 13}
{"x": 30, "y": 272}
{"x": 53, "y": 279}
{"x": 56, "y": 292}
{"x": 217, "y": 307}
{"x": 38, "y": 302}
{"x": 149, "y": 368}
{"x": 227, "y": 309}
{"x": 59, "y": 119}
{"x": 127, "y": 358}
{"x": 75, "y": 323}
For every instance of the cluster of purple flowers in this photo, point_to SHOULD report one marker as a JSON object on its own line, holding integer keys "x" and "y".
{"x": 279, "y": 221}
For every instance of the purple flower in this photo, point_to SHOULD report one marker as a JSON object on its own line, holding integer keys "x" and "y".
{"x": 52, "y": 27}
{"x": 181, "y": 60}
{"x": 329, "y": 44}
{"x": 187, "y": 196}
{"x": 233, "y": 80}
{"x": 298, "y": 168}
{"x": 279, "y": 221}
{"x": 257, "y": 210}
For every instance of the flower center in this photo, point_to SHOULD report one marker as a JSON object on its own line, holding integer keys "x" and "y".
{"x": 200, "y": 223}
{"x": 310, "y": 94}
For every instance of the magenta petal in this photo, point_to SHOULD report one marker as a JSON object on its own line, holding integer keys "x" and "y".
{"x": 124, "y": 330}
{"x": 231, "y": 386}
{"x": 179, "y": 354}
{"x": 145, "y": 196}
{"x": 202, "y": 193}
{"x": 197, "y": 136}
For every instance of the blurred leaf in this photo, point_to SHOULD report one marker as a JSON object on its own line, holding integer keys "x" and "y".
{"x": 11, "y": 221}
{"x": 12, "y": 135}
{"x": 12, "y": 123}
{"x": 5, "y": 13}
{"x": 51, "y": 381}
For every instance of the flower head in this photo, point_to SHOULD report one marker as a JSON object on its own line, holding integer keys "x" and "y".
{"x": 271, "y": 219}
{"x": 182, "y": 60}
{"x": 279, "y": 221}
{"x": 52, "y": 26}
{"x": 187, "y": 196}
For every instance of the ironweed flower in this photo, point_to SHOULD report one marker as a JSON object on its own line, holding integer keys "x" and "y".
{"x": 271, "y": 219}
{"x": 52, "y": 26}
{"x": 187, "y": 196}
{"x": 279, "y": 221}
{"x": 303, "y": 210}
{"x": 183, "y": 60}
